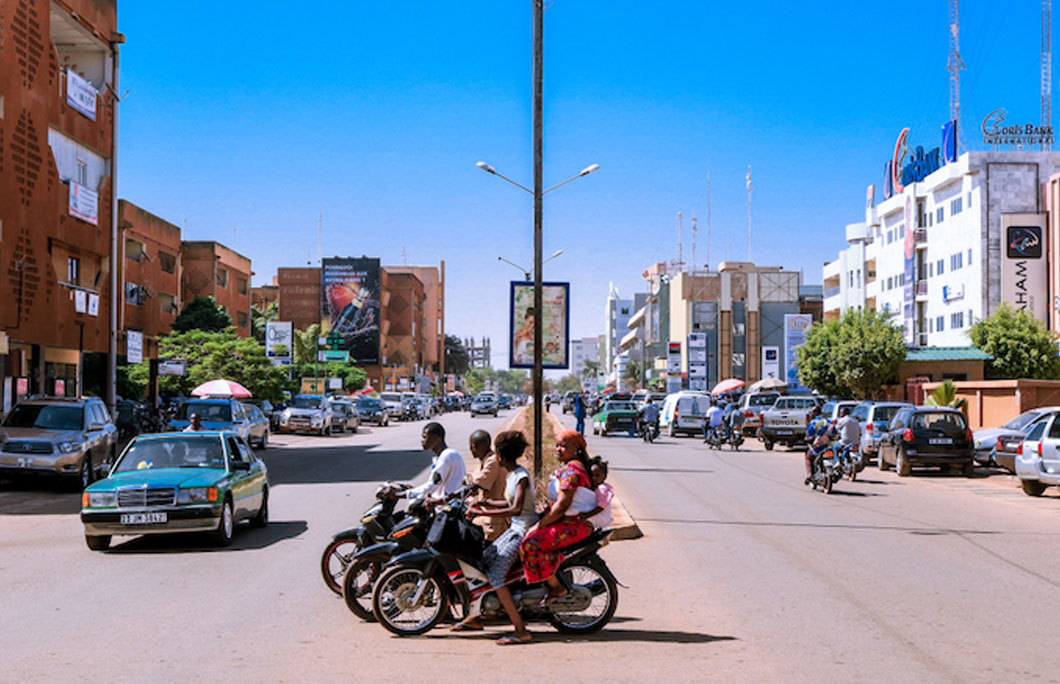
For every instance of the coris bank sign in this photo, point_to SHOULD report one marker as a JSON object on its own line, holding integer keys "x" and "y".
{"x": 914, "y": 165}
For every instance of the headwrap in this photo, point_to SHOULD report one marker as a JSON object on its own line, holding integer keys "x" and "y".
{"x": 573, "y": 438}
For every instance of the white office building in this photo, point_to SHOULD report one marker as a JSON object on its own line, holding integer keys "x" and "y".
{"x": 585, "y": 349}
{"x": 617, "y": 312}
{"x": 949, "y": 246}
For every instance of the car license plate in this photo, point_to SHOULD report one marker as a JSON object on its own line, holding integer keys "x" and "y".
{"x": 940, "y": 440}
{"x": 142, "y": 518}
{"x": 25, "y": 462}
{"x": 783, "y": 432}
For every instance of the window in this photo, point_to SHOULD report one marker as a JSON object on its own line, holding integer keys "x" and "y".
{"x": 222, "y": 277}
{"x": 168, "y": 262}
{"x": 167, "y": 303}
{"x": 931, "y": 325}
{"x": 134, "y": 250}
{"x": 940, "y": 214}
{"x": 859, "y": 277}
{"x": 82, "y": 172}
{"x": 940, "y": 267}
{"x": 241, "y": 285}
{"x": 939, "y": 324}
{"x": 241, "y": 317}
{"x": 956, "y": 261}
{"x": 969, "y": 256}
{"x": 890, "y": 237}
{"x": 957, "y": 320}
{"x": 73, "y": 270}
{"x": 969, "y": 200}
{"x": 134, "y": 294}
{"x": 956, "y": 206}
{"x": 969, "y": 317}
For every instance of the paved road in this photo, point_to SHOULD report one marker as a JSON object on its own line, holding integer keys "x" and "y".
{"x": 743, "y": 575}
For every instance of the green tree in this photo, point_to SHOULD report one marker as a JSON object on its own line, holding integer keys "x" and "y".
{"x": 203, "y": 313}
{"x": 855, "y": 355}
{"x": 305, "y": 344}
{"x": 632, "y": 373}
{"x": 590, "y": 368}
{"x": 569, "y": 383}
{"x": 1022, "y": 347}
{"x": 259, "y": 317}
{"x": 456, "y": 356}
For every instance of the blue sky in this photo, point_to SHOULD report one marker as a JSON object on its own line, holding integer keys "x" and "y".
{"x": 260, "y": 118}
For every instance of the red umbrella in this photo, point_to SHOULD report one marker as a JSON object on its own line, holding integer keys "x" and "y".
{"x": 221, "y": 388}
{"x": 727, "y": 386}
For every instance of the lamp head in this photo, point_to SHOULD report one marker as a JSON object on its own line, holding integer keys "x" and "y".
{"x": 486, "y": 167}
{"x": 588, "y": 169}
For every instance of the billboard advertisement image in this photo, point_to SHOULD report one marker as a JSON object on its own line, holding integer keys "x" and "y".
{"x": 795, "y": 327}
{"x": 350, "y": 294}
{"x": 555, "y": 331}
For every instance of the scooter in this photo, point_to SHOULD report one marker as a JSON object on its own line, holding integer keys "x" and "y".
{"x": 850, "y": 462}
{"x": 649, "y": 431}
{"x": 825, "y": 470}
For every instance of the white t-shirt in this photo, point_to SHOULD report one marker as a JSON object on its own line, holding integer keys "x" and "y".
{"x": 446, "y": 476}
{"x": 527, "y": 516}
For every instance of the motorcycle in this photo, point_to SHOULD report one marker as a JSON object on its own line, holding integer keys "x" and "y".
{"x": 826, "y": 470}
{"x": 376, "y": 524}
{"x": 649, "y": 432}
{"x": 415, "y": 590}
{"x": 850, "y": 462}
{"x": 720, "y": 436}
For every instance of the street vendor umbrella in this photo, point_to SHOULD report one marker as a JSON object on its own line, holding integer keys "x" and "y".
{"x": 766, "y": 384}
{"x": 727, "y": 386}
{"x": 221, "y": 388}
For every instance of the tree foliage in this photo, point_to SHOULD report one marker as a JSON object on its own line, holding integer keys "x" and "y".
{"x": 854, "y": 356}
{"x": 203, "y": 313}
{"x": 457, "y": 360}
{"x": 632, "y": 373}
{"x": 569, "y": 383}
{"x": 305, "y": 344}
{"x": 945, "y": 395}
{"x": 1022, "y": 347}
{"x": 259, "y": 317}
{"x": 510, "y": 381}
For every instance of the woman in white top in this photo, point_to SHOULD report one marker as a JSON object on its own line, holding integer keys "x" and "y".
{"x": 498, "y": 557}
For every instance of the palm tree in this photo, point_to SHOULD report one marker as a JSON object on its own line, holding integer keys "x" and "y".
{"x": 945, "y": 395}
{"x": 590, "y": 369}
{"x": 305, "y": 344}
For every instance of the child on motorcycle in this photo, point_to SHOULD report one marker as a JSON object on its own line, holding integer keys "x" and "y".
{"x": 600, "y": 516}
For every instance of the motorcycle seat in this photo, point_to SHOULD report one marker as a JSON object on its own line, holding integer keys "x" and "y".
{"x": 595, "y": 537}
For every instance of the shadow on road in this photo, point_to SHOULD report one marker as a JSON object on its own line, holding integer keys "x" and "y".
{"x": 612, "y": 635}
{"x": 38, "y": 496}
{"x": 361, "y": 463}
{"x": 193, "y": 542}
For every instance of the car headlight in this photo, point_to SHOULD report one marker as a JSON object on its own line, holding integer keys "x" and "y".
{"x": 316, "y": 418}
{"x": 68, "y": 447}
{"x": 101, "y": 499}
{"x": 192, "y": 495}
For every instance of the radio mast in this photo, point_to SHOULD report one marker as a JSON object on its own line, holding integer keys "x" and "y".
{"x": 694, "y": 262}
{"x": 954, "y": 66}
{"x": 680, "y": 262}
{"x": 708, "y": 220}
{"x": 1047, "y": 67}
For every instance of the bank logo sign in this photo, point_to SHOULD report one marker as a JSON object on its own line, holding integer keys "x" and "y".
{"x": 1024, "y": 277}
{"x": 997, "y": 133}
{"x": 1024, "y": 242}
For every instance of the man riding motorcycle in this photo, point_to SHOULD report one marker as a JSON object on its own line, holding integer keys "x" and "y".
{"x": 819, "y": 434}
{"x": 648, "y": 416}
{"x": 849, "y": 431}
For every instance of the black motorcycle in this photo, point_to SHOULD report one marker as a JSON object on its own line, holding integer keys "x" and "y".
{"x": 649, "y": 432}
{"x": 416, "y": 588}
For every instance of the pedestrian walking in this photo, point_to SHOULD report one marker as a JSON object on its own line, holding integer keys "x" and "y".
{"x": 579, "y": 412}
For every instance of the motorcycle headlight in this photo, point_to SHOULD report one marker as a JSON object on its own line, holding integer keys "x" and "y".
{"x": 192, "y": 495}
{"x": 101, "y": 499}
{"x": 68, "y": 447}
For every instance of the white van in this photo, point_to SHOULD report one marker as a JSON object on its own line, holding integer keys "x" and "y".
{"x": 684, "y": 413}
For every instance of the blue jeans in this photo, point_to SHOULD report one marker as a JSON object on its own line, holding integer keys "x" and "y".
{"x": 581, "y": 425}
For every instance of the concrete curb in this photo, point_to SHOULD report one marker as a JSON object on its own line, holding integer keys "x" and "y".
{"x": 624, "y": 526}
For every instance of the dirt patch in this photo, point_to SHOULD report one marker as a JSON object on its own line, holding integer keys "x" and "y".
{"x": 524, "y": 422}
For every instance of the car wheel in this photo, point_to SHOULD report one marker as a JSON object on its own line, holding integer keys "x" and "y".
{"x": 901, "y": 463}
{"x": 98, "y": 543}
{"x": 1032, "y": 487}
{"x": 969, "y": 469}
{"x": 85, "y": 475}
{"x": 767, "y": 444}
{"x": 355, "y": 428}
{"x": 262, "y": 518}
{"x": 226, "y": 525}
{"x": 881, "y": 462}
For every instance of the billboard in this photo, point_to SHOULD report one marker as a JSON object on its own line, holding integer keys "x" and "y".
{"x": 350, "y": 295}
{"x": 770, "y": 362}
{"x": 555, "y": 328}
{"x": 795, "y": 327}
{"x": 1024, "y": 273}
{"x": 279, "y": 334}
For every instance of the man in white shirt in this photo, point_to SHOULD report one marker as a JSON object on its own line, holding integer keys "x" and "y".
{"x": 713, "y": 419}
{"x": 447, "y": 470}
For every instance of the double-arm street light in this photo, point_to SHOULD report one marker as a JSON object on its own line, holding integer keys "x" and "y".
{"x": 526, "y": 273}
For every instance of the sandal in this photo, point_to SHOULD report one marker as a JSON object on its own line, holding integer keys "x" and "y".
{"x": 513, "y": 640}
{"x": 465, "y": 627}
{"x": 551, "y": 598}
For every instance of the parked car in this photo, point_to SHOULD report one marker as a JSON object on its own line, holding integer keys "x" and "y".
{"x": 308, "y": 413}
{"x": 373, "y": 410}
{"x": 72, "y": 438}
{"x": 615, "y": 416}
{"x": 268, "y": 410}
{"x": 178, "y": 482}
{"x": 682, "y": 413}
{"x": 1038, "y": 463}
{"x": 393, "y": 403}
{"x": 258, "y": 427}
{"x": 786, "y": 420}
{"x": 999, "y": 445}
{"x": 217, "y": 413}
{"x": 752, "y": 404}
{"x": 484, "y": 402}
{"x": 927, "y": 436}
{"x": 874, "y": 418}
{"x": 831, "y": 409}
{"x": 504, "y": 401}
{"x": 344, "y": 416}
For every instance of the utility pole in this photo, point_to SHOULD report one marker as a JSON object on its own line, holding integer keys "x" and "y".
{"x": 538, "y": 142}
{"x": 694, "y": 262}
{"x": 954, "y": 66}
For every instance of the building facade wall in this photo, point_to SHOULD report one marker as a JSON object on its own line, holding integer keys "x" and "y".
{"x": 434, "y": 311}
{"x": 151, "y": 274}
{"x": 299, "y": 296}
{"x": 212, "y": 270}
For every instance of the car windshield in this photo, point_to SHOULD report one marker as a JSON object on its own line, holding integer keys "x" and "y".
{"x": 307, "y": 402}
{"x": 208, "y": 413}
{"x": 369, "y": 404}
{"x": 390, "y": 396}
{"x": 175, "y": 452}
{"x": 46, "y": 417}
{"x": 762, "y": 399}
{"x": 942, "y": 421}
{"x": 883, "y": 414}
{"x": 620, "y": 406}
{"x": 1021, "y": 421}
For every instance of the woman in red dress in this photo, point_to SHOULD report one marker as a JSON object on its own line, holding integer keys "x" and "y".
{"x": 560, "y": 526}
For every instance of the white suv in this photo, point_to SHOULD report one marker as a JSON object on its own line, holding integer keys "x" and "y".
{"x": 1038, "y": 461}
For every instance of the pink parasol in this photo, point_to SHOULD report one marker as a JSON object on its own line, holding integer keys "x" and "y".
{"x": 727, "y": 386}
{"x": 221, "y": 388}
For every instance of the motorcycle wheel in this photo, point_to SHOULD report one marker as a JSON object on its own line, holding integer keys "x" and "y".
{"x": 336, "y": 559}
{"x": 853, "y": 473}
{"x": 826, "y": 486}
{"x": 599, "y": 611}
{"x": 357, "y": 587}
{"x": 392, "y": 601}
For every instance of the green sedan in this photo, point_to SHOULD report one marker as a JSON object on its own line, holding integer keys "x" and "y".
{"x": 178, "y": 482}
{"x": 615, "y": 415}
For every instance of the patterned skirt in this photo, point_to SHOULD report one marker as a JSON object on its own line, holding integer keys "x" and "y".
{"x": 541, "y": 550}
{"x": 499, "y": 556}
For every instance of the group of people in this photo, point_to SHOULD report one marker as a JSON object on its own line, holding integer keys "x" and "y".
{"x": 821, "y": 433}
{"x": 579, "y": 502}
{"x": 715, "y": 420}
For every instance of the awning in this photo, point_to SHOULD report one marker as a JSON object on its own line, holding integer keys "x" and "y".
{"x": 631, "y": 338}
{"x": 637, "y": 319}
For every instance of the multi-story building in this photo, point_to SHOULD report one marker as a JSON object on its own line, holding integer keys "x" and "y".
{"x": 433, "y": 280}
{"x": 617, "y": 313}
{"x": 58, "y": 76}
{"x": 585, "y": 349}
{"x": 264, "y": 296}
{"x": 212, "y": 270}
{"x": 961, "y": 236}
{"x": 299, "y": 295}
{"x": 151, "y": 276}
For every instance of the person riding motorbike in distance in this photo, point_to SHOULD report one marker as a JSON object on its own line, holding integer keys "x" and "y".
{"x": 715, "y": 416}
{"x": 849, "y": 433}
{"x": 648, "y": 416}
{"x": 819, "y": 434}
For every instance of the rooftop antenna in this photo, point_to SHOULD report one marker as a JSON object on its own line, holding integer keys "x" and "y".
{"x": 1047, "y": 68}
{"x": 954, "y": 66}
{"x": 320, "y": 229}
{"x": 694, "y": 262}
{"x": 750, "y": 189}
{"x": 404, "y": 255}
{"x": 679, "y": 263}
{"x": 233, "y": 237}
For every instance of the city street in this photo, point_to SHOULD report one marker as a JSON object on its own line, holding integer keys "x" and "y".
{"x": 743, "y": 575}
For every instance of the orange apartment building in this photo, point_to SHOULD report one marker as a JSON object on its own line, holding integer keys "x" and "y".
{"x": 151, "y": 293}
{"x": 58, "y": 75}
{"x": 212, "y": 270}
{"x": 299, "y": 296}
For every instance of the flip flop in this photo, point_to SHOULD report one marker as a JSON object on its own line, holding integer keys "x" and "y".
{"x": 465, "y": 627}
{"x": 512, "y": 640}
{"x": 550, "y": 599}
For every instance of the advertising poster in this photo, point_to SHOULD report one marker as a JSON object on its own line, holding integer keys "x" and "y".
{"x": 770, "y": 362}
{"x": 279, "y": 334}
{"x": 80, "y": 94}
{"x": 795, "y": 327}
{"x": 134, "y": 346}
{"x": 84, "y": 203}
{"x": 673, "y": 367}
{"x": 555, "y": 325}
{"x": 1024, "y": 272}
{"x": 350, "y": 297}
{"x": 697, "y": 362}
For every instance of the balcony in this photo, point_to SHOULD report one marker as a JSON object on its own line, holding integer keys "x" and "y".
{"x": 832, "y": 292}
{"x": 921, "y": 290}
{"x": 920, "y": 239}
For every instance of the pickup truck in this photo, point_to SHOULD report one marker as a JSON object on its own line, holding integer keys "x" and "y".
{"x": 785, "y": 422}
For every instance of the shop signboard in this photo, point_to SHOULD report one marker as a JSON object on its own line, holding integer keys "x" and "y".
{"x": 1024, "y": 273}
{"x": 795, "y": 327}
{"x": 83, "y": 203}
{"x": 697, "y": 362}
{"x": 350, "y": 299}
{"x": 770, "y": 362}
{"x": 997, "y": 134}
{"x": 93, "y": 304}
{"x": 173, "y": 367}
{"x": 555, "y": 325}
{"x": 81, "y": 94}
{"x": 673, "y": 367}
{"x": 134, "y": 346}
